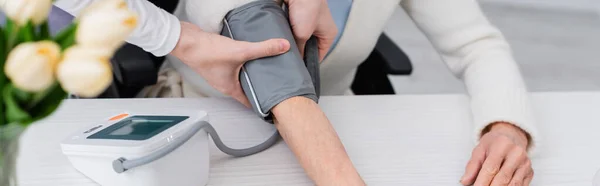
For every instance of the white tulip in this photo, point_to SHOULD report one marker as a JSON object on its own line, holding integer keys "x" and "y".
{"x": 22, "y": 11}
{"x": 106, "y": 23}
{"x": 84, "y": 71}
{"x": 30, "y": 66}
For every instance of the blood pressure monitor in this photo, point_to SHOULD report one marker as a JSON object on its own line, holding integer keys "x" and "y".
{"x": 149, "y": 149}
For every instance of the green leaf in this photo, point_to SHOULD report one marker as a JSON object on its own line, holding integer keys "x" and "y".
{"x": 22, "y": 96}
{"x": 14, "y": 112}
{"x": 3, "y": 54}
{"x": 9, "y": 26}
{"x": 27, "y": 33}
{"x": 40, "y": 96}
{"x": 64, "y": 33}
{"x": 44, "y": 32}
{"x": 68, "y": 42}
{"x": 11, "y": 34}
{"x": 3, "y": 51}
{"x": 2, "y": 116}
{"x": 49, "y": 103}
{"x": 66, "y": 37}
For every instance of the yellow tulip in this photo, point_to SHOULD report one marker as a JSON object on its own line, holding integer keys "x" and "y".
{"x": 106, "y": 23}
{"x": 22, "y": 11}
{"x": 85, "y": 71}
{"x": 30, "y": 66}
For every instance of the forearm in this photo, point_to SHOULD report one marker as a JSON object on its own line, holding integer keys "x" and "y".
{"x": 158, "y": 31}
{"x": 477, "y": 52}
{"x": 308, "y": 133}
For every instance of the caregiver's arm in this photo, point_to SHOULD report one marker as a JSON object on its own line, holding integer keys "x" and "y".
{"x": 309, "y": 134}
{"x": 478, "y": 54}
{"x": 158, "y": 31}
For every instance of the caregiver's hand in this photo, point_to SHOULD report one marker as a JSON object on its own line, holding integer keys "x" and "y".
{"x": 219, "y": 59}
{"x": 500, "y": 158}
{"x": 312, "y": 17}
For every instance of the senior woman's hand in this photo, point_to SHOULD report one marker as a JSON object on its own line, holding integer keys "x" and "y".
{"x": 312, "y": 17}
{"x": 500, "y": 158}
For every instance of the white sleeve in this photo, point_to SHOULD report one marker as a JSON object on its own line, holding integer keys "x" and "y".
{"x": 477, "y": 53}
{"x": 158, "y": 31}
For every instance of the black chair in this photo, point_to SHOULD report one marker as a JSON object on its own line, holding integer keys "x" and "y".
{"x": 135, "y": 68}
{"x": 386, "y": 59}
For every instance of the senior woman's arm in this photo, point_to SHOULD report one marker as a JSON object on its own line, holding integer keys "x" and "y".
{"x": 476, "y": 52}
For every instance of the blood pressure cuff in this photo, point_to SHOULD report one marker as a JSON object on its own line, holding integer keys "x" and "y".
{"x": 271, "y": 80}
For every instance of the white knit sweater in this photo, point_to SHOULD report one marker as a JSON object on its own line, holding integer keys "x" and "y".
{"x": 473, "y": 49}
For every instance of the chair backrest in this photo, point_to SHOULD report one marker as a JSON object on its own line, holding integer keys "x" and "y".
{"x": 167, "y": 5}
{"x": 365, "y": 23}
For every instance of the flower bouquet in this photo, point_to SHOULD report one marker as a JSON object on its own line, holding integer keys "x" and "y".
{"x": 41, "y": 69}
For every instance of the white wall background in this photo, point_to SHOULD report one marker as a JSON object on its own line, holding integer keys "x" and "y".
{"x": 555, "y": 42}
{"x": 590, "y": 5}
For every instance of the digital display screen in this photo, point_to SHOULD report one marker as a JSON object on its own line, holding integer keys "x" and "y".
{"x": 138, "y": 127}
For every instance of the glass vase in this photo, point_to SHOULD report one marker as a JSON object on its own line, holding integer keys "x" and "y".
{"x": 9, "y": 149}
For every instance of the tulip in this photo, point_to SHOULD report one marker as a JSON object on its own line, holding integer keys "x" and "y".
{"x": 21, "y": 11}
{"x": 106, "y": 23}
{"x": 30, "y": 66}
{"x": 85, "y": 71}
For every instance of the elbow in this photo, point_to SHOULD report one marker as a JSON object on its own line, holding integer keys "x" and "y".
{"x": 466, "y": 49}
{"x": 472, "y": 40}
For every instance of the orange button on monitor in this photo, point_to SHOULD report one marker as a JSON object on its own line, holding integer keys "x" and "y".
{"x": 118, "y": 117}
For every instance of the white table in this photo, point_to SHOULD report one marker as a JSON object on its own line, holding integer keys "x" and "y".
{"x": 393, "y": 140}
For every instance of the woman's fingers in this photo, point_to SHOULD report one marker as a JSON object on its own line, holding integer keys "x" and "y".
{"x": 271, "y": 47}
{"x": 491, "y": 166}
{"x": 515, "y": 158}
{"x": 304, "y": 15}
{"x": 474, "y": 165}
{"x": 529, "y": 177}
{"x": 521, "y": 175}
